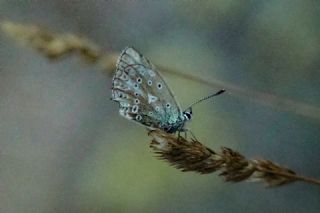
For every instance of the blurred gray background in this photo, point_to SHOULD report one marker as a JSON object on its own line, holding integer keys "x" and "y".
{"x": 64, "y": 148}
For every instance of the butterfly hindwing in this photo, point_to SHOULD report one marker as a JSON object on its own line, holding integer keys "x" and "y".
{"x": 142, "y": 93}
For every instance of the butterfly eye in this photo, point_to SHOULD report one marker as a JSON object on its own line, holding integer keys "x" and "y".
{"x": 157, "y": 109}
{"x": 149, "y": 82}
{"x": 139, "y": 80}
{"x": 150, "y": 113}
{"x": 159, "y": 86}
{"x": 168, "y": 105}
{"x": 136, "y": 94}
{"x": 135, "y": 85}
{"x": 187, "y": 115}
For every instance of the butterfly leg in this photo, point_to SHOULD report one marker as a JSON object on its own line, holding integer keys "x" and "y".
{"x": 179, "y": 135}
{"x": 193, "y": 136}
{"x": 179, "y": 132}
{"x": 185, "y": 134}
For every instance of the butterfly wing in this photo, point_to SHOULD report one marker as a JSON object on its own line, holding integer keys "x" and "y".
{"x": 142, "y": 93}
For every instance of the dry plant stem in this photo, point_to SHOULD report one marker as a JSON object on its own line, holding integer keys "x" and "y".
{"x": 50, "y": 44}
{"x": 281, "y": 103}
{"x": 55, "y": 46}
{"x": 183, "y": 154}
{"x": 194, "y": 156}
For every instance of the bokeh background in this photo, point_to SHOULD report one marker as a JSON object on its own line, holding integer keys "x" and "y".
{"x": 64, "y": 148}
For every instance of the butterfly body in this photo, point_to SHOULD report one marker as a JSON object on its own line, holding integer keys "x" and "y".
{"x": 144, "y": 96}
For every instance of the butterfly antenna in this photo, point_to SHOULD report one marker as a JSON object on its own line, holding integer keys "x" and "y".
{"x": 208, "y": 97}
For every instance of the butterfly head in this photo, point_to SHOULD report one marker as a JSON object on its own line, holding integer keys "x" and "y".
{"x": 187, "y": 114}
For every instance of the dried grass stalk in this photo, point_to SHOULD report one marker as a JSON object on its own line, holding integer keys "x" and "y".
{"x": 183, "y": 154}
{"x": 54, "y": 46}
{"x": 234, "y": 167}
{"x": 50, "y": 44}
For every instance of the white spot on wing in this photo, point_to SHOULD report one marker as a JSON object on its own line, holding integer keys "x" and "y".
{"x": 124, "y": 104}
{"x": 151, "y": 73}
{"x": 151, "y": 98}
{"x": 134, "y": 54}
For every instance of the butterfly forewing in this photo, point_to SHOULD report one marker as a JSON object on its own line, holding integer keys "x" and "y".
{"x": 142, "y": 93}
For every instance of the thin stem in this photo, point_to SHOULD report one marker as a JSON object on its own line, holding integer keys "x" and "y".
{"x": 46, "y": 43}
{"x": 277, "y": 102}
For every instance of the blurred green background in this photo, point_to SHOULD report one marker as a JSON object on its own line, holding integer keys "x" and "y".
{"x": 64, "y": 148}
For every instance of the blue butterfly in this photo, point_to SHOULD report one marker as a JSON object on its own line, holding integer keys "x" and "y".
{"x": 145, "y": 97}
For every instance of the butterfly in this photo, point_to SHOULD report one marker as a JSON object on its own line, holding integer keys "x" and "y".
{"x": 144, "y": 96}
